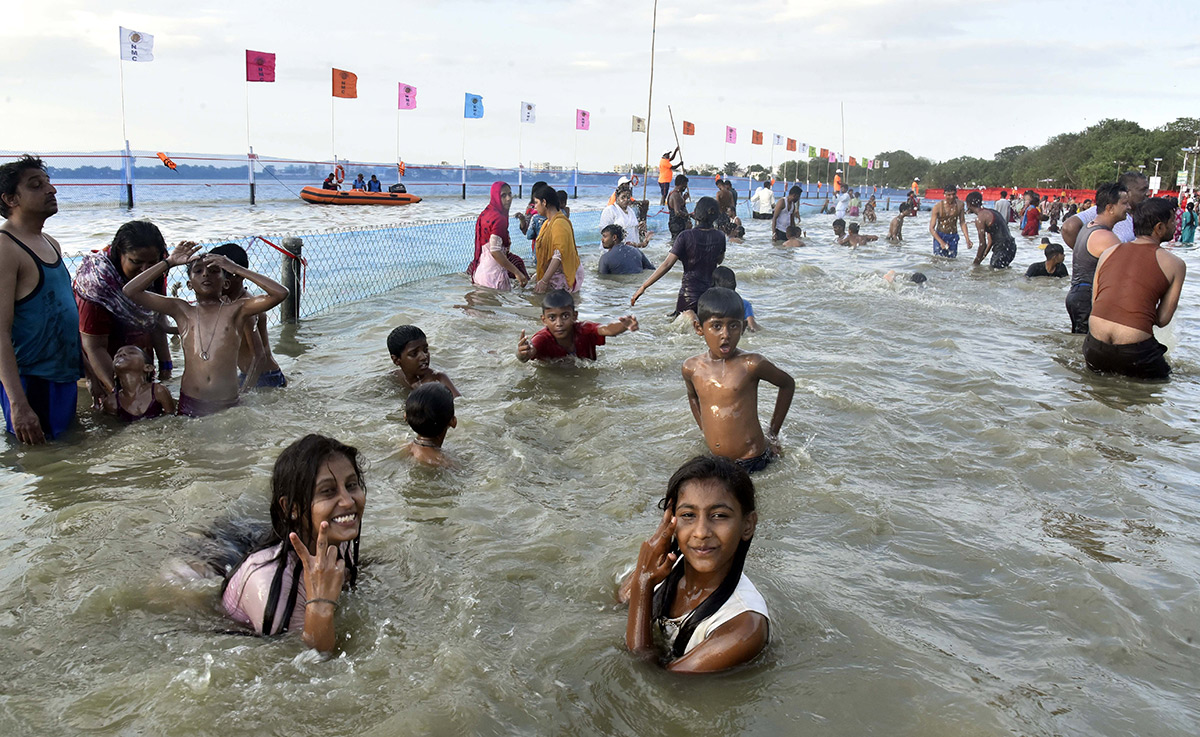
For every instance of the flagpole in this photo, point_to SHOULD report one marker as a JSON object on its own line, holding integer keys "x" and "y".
{"x": 398, "y": 134}
{"x": 333, "y": 128}
{"x": 247, "y": 114}
{"x": 520, "y": 160}
{"x": 650, "y": 99}
{"x": 846, "y": 180}
{"x": 124, "y": 134}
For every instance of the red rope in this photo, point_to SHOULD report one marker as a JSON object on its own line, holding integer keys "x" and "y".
{"x": 303, "y": 261}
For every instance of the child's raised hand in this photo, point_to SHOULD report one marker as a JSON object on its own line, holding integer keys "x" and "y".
{"x": 324, "y": 573}
{"x": 525, "y": 349}
{"x": 182, "y": 253}
{"x": 655, "y": 559}
{"x": 221, "y": 260}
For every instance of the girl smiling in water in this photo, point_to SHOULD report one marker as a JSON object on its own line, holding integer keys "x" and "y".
{"x": 294, "y": 579}
{"x": 705, "y": 611}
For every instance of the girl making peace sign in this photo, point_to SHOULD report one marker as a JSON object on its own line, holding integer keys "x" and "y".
{"x": 293, "y": 580}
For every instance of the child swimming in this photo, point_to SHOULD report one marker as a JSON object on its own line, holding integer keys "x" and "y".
{"x": 724, "y": 277}
{"x": 688, "y": 586}
{"x": 722, "y": 386}
{"x": 429, "y": 411}
{"x": 409, "y": 349}
{"x": 563, "y": 336}
{"x": 854, "y": 239}
{"x": 293, "y": 579}
{"x": 256, "y": 365}
{"x": 136, "y": 396}
{"x": 211, "y": 329}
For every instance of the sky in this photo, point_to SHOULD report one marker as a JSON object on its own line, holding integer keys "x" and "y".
{"x": 937, "y": 78}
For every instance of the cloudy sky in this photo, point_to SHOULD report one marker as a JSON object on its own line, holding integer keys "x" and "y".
{"x": 934, "y": 77}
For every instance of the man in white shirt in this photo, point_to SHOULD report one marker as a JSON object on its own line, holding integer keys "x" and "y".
{"x": 1003, "y": 207}
{"x": 1137, "y": 185}
{"x": 763, "y": 201}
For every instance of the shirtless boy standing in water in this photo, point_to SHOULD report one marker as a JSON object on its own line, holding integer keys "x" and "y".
{"x": 211, "y": 329}
{"x": 896, "y": 229}
{"x": 943, "y": 224}
{"x": 722, "y": 385}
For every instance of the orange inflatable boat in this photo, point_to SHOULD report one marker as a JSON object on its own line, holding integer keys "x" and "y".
{"x": 321, "y": 196}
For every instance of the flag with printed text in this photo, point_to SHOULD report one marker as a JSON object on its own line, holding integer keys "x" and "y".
{"x": 136, "y": 46}
{"x": 345, "y": 84}
{"x": 777, "y": 140}
{"x": 260, "y": 66}
{"x": 756, "y": 137}
{"x": 583, "y": 120}
{"x": 528, "y": 112}
{"x": 406, "y": 97}
{"x": 730, "y": 134}
{"x": 639, "y": 124}
{"x": 824, "y": 153}
{"x": 689, "y": 129}
{"x": 791, "y": 144}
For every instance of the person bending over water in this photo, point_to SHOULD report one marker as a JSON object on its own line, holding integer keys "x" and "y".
{"x": 256, "y": 364}
{"x": 211, "y": 329}
{"x": 293, "y": 580}
{"x": 994, "y": 235}
{"x": 944, "y": 222}
{"x": 722, "y": 386}
{"x": 688, "y": 586}
{"x": 1137, "y": 288}
{"x": 563, "y": 336}
{"x": 136, "y": 395}
{"x": 409, "y": 349}
{"x": 429, "y": 411}
{"x": 701, "y": 249}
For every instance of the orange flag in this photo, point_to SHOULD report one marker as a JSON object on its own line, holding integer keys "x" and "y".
{"x": 689, "y": 129}
{"x": 756, "y": 137}
{"x": 345, "y": 84}
{"x": 791, "y": 144}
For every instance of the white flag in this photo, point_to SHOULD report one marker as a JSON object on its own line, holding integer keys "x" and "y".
{"x": 777, "y": 140}
{"x": 136, "y": 46}
{"x": 887, "y": 164}
{"x": 639, "y": 124}
{"x": 528, "y": 112}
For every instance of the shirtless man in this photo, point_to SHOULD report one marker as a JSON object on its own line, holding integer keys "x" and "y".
{"x": 854, "y": 239}
{"x": 994, "y": 236}
{"x": 1137, "y": 288}
{"x": 211, "y": 329}
{"x": 948, "y": 215}
{"x": 896, "y": 229}
{"x": 722, "y": 385}
{"x": 725, "y": 198}
{"x": 257, "y": 368}
{"x": 40, "y": 351}
{"x": 680, "y": 218}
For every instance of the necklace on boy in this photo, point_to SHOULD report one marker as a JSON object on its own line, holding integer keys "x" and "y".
{"x": 213, "y": 336}
{"x": 425, "y": 443}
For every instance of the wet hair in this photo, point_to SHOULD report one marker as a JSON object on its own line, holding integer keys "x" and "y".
{"x": 1150, "y": 212}
{"x": 1054, "y": 249}
{"x": 974, "y": 199}
{"x": 838, "y": 222}
{"x": 796, "y": 190}
{"x": 792, "y": 232}
{"x": 1107, "y": 195}
{"x": 10, "y": 178}
{"x": 950, "y": 188}
{"x": 401, "y": 336}
{"x": 719, "y": 302}
{"x": 918, "y": 278}
{"x": 626, "y": 188}
{"x": 681, "y": 180}
{"x": 293, "y": 482}
{"x": 853, "y": 227}
{"x": 724, "y": 278}
{"x": 905, "y": 207}
{"x": 234, "y": 253}
{"x": 563, "y": 198}
{"x": 1131, "y": 179}
{"x": 706, "y": 211}
{"x": 556, "y": 299}
{"x": 138, "y": 235}
{"x": 615, "y": 229}
{"x": 429, "y": 409}
{"x": 739, "y": 485}
{"x": 149, "y": 368}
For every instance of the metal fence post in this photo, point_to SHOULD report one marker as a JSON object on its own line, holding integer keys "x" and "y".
{"x": 129, "y": 164}
{"x": 250, "y": 167}
{"x": 464, "y": 182}
{"x": 289, "y": 311}
{"x": 575, "y": 182}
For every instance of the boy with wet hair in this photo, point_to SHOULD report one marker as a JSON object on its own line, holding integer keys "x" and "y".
{"x": 854, "y": 239}
{"x": 724, "y": 277}
{"x": 256, "y": 365}
{"x": 794, "y": 239}
{"x": 722, "y": 385}
{"x": 409, "y": 349}
{"x": 896, "y": 229}
{"x": 839, "y": 231}
{"x": 1052, "y": 266}
{"x": 429, "y": 411}
{"x": 563, "y": 336}
{"x": 211, "y": 329}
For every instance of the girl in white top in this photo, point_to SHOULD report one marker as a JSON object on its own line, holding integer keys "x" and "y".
{"x": 687, "y": 589}
{"x": 621, "y": 213}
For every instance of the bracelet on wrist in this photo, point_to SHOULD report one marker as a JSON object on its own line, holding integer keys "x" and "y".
{"x": 322, "y": 601}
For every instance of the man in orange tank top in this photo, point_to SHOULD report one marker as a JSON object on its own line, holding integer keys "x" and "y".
{"x": 1137, "y": 286}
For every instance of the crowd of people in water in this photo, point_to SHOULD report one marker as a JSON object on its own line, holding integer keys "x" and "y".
{"x": 689, "y": 600}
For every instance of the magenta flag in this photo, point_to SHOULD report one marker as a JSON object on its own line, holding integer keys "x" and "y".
{"x": 730, "y": 135}
{"x": 260, "y": 66}
{"x": 408, "y": 97}
{"x": 833, "y": 157}
{"x": 583, "y": 120}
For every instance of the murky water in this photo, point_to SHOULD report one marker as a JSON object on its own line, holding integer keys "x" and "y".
{"x": 968, "y": 534}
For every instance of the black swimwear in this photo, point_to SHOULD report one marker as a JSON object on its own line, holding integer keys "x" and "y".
{"x": 757, "y": 463}
{"x": 1142, "y": 360}
{"x": 677, "y": 224}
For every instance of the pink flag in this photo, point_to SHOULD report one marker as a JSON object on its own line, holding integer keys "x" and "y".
{"x": 408, "y": 97}
{"x": 260, "y": 66}
{"x": 870, "y": 164}
{"x": 730, "y": 135}
{"x": 583, "y": 120}
{"x": 833, "y": 157}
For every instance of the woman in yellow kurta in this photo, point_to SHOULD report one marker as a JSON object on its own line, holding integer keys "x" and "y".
{"x": 558, "y": 264}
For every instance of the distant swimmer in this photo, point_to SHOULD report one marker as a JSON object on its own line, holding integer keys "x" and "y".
{"x": 786, "y": 214}
{"x": 994, "y": 235}
{"x": 854, "y": 239}
{"x": 869, "y": 210}
{"x": 429, "y": 411}
{"x": 896, "y": 229}
{"x": 948, "y": 215}
{"x": 1052, "y": 266}
{"x": 666, "y": 171}
{"x": 1138, "y": 285}
{"x": 763, "y": 201}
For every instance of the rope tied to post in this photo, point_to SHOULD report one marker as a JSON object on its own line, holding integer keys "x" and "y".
{"x": 284, "y": 251}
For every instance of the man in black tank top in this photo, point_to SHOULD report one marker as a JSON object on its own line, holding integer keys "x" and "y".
{"x": 1112, "y": 204}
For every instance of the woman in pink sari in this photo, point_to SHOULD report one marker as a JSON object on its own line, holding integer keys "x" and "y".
{"x": 494, "y": 265}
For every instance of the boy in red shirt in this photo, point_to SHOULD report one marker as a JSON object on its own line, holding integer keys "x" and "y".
{"x": 562, "y": 336}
